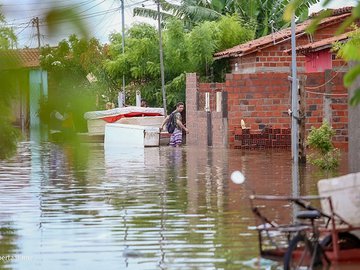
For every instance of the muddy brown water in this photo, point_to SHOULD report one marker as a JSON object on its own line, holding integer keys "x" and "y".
{"x": 152, "y": 208}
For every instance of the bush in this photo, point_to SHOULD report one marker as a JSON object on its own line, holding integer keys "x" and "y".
{"x": 326, "y": 156}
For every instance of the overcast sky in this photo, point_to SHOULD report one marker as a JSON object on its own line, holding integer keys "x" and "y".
{"x": 101, "y": 16}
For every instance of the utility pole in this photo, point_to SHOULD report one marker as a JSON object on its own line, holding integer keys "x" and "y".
{"x": 294, "y": 118}
{"x": 35, "y": 22}
{"x": 294, "y": 97}
{"x": 121, "y": 97}
{"x": 42, "y": 94}
{"x": 161, "y": 59}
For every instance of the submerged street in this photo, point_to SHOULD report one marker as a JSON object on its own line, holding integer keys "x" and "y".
{"x": 152, "y": 208}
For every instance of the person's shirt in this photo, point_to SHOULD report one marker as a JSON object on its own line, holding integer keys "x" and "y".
{"x": 177, "y": 117}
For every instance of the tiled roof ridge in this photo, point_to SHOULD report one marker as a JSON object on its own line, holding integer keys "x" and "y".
{"x": 282, "y": 34}
{"x": 334, "y": 12}
{"x": 321, "y": 43}
{"x": 25, "y": 57}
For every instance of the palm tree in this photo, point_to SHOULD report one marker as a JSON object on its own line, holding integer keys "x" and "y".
{"x": 266, "y": 15}
{"x": 189, "y": 11}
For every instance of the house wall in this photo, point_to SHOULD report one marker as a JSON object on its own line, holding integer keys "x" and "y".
{"x": 274, "y": 58}
{"x": 318, "y": 61}
{"x": 333, "y": 107}
{"x": 38, "y": 89}
{"x": 262, "y": 100}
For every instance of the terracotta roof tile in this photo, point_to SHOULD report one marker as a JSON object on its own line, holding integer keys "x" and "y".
{"x": 334, "y": 12}
{"x": 27, "y": 58}
{"x": 280, "y": 36}
{"x": 322, "y": 44}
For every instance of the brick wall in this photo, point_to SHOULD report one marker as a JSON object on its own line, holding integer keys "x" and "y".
{"x": 262, "y": 100}
{"x": 332, "y": 107}
{"x": 206, "y": 128}
{"x": 259, "y": 99}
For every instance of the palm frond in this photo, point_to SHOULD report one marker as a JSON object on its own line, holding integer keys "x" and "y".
{"x": 150, "y": 13}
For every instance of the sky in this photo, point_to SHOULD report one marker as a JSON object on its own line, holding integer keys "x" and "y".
{"x": 102, "y": 17}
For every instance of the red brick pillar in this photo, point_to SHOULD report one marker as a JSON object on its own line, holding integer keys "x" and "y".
{"x": 191, "y": 106}
{"x": 195, "y": 120}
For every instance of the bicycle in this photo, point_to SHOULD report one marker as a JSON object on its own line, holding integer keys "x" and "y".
{"x": 304, "y": 249}
{"x": 313, "y": 243}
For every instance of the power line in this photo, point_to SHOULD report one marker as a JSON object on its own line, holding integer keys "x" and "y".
{"x": 40, "y": 12}
{"x": 88, "y": 16}
{"x": 103, "y": 19}
{"x": 22, "y": 30}
{"x": 91, "y": 7}
{"x": 85, "y": 16}
{"x": 100, "y": 25}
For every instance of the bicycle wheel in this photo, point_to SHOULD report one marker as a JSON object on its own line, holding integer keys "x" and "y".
{"x": 299, "y": 253}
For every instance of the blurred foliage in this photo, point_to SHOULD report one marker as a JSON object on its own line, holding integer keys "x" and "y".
{"x": 349, "y": 51}
{"x": 9, "y": 135}
{"x": 68, "y": 15}
{"x": 65, "y": 77}
{"x": 8, "y": 245}
{"x": 320, "y": 139}
{"x": 68, "y": 64}
{"x": 8, "y": 73}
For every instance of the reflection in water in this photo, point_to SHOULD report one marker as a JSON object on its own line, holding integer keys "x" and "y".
{"x": 152, "y": 208}
{"x": 8, "y": 246}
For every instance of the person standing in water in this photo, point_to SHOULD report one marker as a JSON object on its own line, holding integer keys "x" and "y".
{"x": 176, "y": 136}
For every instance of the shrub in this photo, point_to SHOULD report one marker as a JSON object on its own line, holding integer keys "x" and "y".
{"x": 326, "y": 156}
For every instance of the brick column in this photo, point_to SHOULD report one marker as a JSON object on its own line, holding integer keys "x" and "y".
{"x": 191, "y": 106}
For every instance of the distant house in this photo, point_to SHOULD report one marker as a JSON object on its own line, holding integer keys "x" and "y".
{"x": 319, "y": 56}
{"x": 257, "y": 90}
{"x": 31, "y": 86}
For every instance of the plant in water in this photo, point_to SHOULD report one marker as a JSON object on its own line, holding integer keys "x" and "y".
{"x": 326, "y": 156}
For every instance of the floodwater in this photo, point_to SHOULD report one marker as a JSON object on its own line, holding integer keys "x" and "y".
{"x": 153, "y": 208}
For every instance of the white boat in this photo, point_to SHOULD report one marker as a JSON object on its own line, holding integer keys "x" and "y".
{"x": 124, "y": 135}
{"x": 134, "y": 115}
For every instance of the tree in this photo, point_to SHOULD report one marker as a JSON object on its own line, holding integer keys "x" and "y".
{"x": 188, "y": 11}
{"x": 139, "y": 63}
{"x": 184, "y": 51}
{"x": 8, "y": 38}
{"x": 267, "y": 15}
{"x": 263, "y": 15}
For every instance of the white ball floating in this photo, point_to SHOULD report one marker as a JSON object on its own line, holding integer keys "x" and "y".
{"x": 237, "y": 177}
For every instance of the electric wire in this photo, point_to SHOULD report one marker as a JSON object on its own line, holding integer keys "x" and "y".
{"x": 82, "y": 15}
{"x": 22, "y": 30}
{"x": 327, "y": 82}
